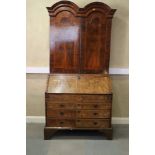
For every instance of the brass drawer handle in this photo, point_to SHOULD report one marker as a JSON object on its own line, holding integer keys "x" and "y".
{"x": 61, "y": 105}
{"x": 95, "y": 113}
{"x": 61, "y": 122}
{"x": 95, "y": 106}
{"x": 61, "y": 113}
{"x": 95, "y": 123}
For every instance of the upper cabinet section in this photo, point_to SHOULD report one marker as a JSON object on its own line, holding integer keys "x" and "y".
{"x": 80, "y": 37}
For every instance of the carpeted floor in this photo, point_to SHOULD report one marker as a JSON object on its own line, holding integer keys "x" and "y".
{"x": 77, "y": 142}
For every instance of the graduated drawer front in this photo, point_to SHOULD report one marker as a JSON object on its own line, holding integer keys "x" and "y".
{"x": 96, "y": 98}
{"x": 61, "y": 105}
{"x": 93, "y": 123}
{"x": 62, "y": 114}
{"x": 93, "y": 106}
{"x": 60, "y": 123}
{"x": 78, "y": 105}
{"x": 93, "y": 113}
{"x": 63, "y": 98}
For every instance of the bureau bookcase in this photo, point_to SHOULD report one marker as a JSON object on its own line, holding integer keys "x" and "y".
{"x": 79, "y": 92}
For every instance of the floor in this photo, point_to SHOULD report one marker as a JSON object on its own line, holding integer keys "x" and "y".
{"x": 77, "y": 142}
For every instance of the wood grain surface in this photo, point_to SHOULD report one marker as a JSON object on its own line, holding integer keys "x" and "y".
{"x": 83, "y": 84}
{"x": 80, "y": 37}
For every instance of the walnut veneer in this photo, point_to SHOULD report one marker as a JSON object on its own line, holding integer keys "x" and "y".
{"x": 79, "y": 91}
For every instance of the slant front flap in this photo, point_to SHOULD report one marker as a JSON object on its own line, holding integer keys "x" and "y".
{"x": 85, "y": 83}
{"x": 80, "y": 37}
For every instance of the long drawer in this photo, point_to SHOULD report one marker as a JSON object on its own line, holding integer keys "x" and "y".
{"x": 67, "y": 114}
{"x": 61, "y": 113}
{"x": 93, "y": 114}
{"x": 78, "y": 105}
{"x": 78, "y": 98}
{"x": 79, "y": 123}
{"x": 93, "y": 123}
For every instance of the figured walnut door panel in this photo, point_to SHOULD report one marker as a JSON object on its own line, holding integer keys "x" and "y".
{"x": 80, "y": 37}
{"x": 64, "y": 43}
{"x": 93, "y": 43}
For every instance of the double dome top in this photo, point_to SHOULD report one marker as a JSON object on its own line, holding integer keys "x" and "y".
{"x": 77, "y": 11}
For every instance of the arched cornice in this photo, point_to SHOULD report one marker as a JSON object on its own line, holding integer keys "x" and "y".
{"x": 83, "y": 12}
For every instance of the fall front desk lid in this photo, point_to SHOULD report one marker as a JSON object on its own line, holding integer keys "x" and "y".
{"x": 79, "y": 84}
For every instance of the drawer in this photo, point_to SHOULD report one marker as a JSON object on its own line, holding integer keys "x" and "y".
{"x": 60, "y": 123}
{"x": 93, "y": 123}
{"x": 93, "y": 105}
{"x": 93, "y": 113}
{"x": 78, "y": 98}
{"x": 60, "y": 105}
{"x": 63, "y": 98}
{"x": 64, "y": 114}
{"x": 97, "y": 98}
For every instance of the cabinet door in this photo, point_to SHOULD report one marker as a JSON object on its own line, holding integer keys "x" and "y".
{"x": 64, "y": 43}
{"x": 93, "y": 43}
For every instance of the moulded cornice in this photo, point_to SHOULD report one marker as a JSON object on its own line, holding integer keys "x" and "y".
{"x": 77, "y": 11}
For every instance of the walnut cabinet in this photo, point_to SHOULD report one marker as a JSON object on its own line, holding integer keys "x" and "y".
{"x": 79, "y": 92}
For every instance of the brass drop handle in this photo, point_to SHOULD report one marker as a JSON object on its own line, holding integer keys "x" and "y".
{"x": 95, "y": 106}
{"x": 95, "y": 123}
{"x": 61, "y": 122}
{"x": 61, "y": 105}
{"x": 95, "y": 113}
{"x": 61, "y": 113}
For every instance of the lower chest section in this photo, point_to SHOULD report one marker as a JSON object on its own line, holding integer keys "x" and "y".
{"x": 78, "y": 111}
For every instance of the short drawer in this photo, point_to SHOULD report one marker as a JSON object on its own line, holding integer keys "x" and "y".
{"x": 60, "y": 123}
{"x": 93, "y": 113}
{"x": 62, "y": 98}
{"x": 93, "y": 105}
{"x": 60, "y": 113}
{"x": 96, "y": 98}
{"x": 93, "y": 123}
{"x": 60, "y": 105}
